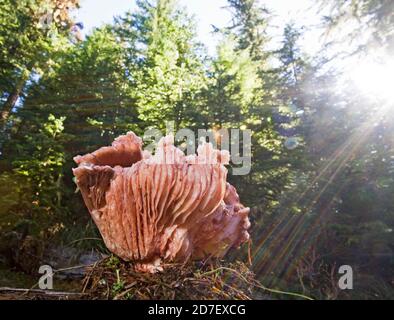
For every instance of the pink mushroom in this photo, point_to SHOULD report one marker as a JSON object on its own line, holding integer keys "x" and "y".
{"x": 162, "y": 207}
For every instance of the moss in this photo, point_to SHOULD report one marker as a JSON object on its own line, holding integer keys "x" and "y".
{"x": 15, "y": 279}
{"x": 115, "y": 279}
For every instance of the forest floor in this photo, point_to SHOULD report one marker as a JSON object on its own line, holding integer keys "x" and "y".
{"x": 111, "y": 278}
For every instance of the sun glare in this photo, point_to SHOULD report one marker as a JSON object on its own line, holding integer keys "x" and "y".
{"x": 375, "y": 79}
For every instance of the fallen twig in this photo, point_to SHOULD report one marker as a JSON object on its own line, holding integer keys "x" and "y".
{"x": 40, "y": 291}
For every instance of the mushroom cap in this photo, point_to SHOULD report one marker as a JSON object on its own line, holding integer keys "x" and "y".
{"x": 161, "y": 207}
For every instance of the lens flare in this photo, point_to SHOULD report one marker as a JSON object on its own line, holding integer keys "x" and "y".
{"x": 375, "y": 79}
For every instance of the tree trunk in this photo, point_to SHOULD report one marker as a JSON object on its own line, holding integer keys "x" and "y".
{"x": 7, "y": 107}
